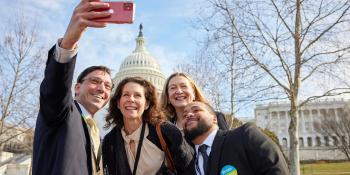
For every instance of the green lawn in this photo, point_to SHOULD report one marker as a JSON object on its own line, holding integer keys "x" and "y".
{"x": 342, "y": 168}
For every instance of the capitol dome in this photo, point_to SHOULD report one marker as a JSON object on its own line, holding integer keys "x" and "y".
{"x": 141, "y": 63}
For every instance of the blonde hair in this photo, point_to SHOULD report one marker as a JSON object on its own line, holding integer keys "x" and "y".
{"x": 166, "y": 106}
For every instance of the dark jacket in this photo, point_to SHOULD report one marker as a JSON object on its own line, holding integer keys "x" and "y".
{"x": 114, "y": 155}
{"x": 246, "y": 149}
{"x": 61, "y": 144}
{"x": 222, "y": 121}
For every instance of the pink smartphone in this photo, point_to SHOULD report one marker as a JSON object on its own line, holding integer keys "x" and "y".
{"x": 123, "y": 12}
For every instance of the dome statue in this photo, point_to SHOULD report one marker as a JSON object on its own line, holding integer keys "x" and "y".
{"x": 141, "y": 63}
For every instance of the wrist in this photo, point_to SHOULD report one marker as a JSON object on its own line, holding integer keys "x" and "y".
{"x": 65, "y": 44}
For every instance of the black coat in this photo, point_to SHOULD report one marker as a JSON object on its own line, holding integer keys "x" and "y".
{"x": 61, "y": 144}
{"x": 114, "y": 156}
{"x": 247, "y": 149}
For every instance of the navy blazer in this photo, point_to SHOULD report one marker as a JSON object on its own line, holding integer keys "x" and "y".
{"x": 61, "y": 144}
{"x": 246, "y": 149}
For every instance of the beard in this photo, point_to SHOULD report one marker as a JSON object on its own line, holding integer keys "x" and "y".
{"x": 201, "y": 128}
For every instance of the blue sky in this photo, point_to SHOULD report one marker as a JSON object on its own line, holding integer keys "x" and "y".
{"x": 168, "y": 30}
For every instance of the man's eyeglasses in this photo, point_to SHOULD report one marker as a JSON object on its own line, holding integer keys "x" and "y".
{"x": 98, "y": 81}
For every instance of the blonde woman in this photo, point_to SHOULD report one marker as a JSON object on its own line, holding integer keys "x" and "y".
{"x": 180, "y": 90}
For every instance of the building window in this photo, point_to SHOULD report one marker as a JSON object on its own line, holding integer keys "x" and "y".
{"x": 301, "y": 142}
{"x": 331, "y": 112}
{"x": 318, "y": 141}
{"x": 326, "y": 141}
{"x": 323, "y": 112}
{"x": 274, "y": 115}
{"x": 335, "y": 141}
{"x": 284, "y": 142}
{"x": 309, "y": 141}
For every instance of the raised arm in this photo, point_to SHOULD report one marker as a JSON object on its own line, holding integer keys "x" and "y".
{"x": 55, "y": 89}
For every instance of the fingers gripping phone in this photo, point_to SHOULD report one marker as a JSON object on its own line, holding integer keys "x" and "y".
{"x": 123, "y": 12}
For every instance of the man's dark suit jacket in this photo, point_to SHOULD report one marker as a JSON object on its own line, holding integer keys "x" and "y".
{"x": 61, "y": 144}
{"x": 247, "y": 149}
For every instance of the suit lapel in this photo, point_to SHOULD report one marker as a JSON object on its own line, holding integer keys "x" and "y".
{"x": 191, "y": 169}
{"x": 215, "y": 152}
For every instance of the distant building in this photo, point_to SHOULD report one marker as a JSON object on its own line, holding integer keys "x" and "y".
{"x": 141, "y": 63}
{"x": 313, "y": 146}
{"x": 16, "y": 139}
{"x": 17, "y": 165}
{"x": 15, "y": 150}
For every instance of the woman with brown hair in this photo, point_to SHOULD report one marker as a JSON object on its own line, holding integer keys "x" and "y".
{"x": 133, "y": 145}
{"x": 179, "y": 90}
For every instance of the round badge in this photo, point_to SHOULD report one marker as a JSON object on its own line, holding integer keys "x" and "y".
{"x": 228, "y": 170}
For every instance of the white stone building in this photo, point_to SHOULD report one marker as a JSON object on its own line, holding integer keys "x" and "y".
{"x": 141, "y": 63}
{"x": 313, "y": 146}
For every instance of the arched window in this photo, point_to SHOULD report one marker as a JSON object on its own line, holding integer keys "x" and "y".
{"x": 301, "y": 142}
{"x": 309, "y": 141}
{"x": 326, "y": 141}
{"x": 284, "y": 142}
{"x": 318, "y": 141}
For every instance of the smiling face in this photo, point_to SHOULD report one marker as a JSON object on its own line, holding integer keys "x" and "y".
{"x": 94, "y": 90}
{"x": 132, "y": 102}
{"x": 180, "y": 92}
{"x": 198, "y": 119}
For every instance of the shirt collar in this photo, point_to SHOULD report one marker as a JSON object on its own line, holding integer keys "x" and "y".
{"x": 209, "y": 140}
{"x": 84, "y": 112}
{"x": 135, "y": 135}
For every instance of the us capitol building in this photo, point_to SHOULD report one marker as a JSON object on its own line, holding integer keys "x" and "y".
{"x": 313, "y": 145}
{"x": 141, "y": 63}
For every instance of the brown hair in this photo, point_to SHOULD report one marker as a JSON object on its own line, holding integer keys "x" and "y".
{"x": 167, "y": 107}
{"x": 151, "y": 115}
{"x": 83, "y": 74}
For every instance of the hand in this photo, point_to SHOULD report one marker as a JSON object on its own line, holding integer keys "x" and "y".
{"x": 82, "y": 18}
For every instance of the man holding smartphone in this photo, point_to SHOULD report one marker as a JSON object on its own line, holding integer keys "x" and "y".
{"x": 66, "y": 140}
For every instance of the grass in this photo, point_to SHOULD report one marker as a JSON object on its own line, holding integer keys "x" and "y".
{"x": 341, "y": 168}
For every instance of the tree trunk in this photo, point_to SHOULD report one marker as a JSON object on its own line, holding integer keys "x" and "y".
{"x": 293, "y": 134}
{"x": 294, "y": 94}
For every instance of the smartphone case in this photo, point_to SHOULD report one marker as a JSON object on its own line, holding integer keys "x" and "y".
{"x": 123, "y": 13}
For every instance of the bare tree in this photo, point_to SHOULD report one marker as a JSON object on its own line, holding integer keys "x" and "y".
{"x": 205, "y": 72}
{"x": 337, "y": 127}
{"x": 20, "y": 71}
{"x": 295, "y": 50}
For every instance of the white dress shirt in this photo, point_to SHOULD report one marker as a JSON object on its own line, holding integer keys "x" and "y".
{"x": 209, "y": 142}
{"x": 63, "y": 55}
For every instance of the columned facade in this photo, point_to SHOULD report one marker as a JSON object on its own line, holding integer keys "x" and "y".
{"x": 275, "y": 117}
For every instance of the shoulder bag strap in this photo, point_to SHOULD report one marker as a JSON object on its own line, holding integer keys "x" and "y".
{"x": 168, "y": 157}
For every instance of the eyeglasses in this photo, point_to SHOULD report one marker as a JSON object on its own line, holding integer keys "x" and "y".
{"x": 98, "y": 81}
